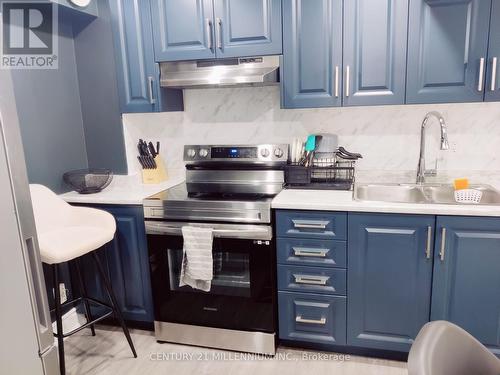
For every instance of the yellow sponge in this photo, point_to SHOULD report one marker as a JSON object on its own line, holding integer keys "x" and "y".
{"x": 461, "y": 183}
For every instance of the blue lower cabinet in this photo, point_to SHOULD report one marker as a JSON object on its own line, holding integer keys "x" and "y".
{"x": 312, "y": 318}
{"x": 389, "y": 279}
{"x": 315, "y": 225}
{"x": 312, "y": 279}
{"x": 127, "y": 263}
{"x": 312, "y": 252}
{"x": 466, "y": 284}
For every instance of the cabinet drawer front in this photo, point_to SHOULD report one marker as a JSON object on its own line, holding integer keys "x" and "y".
{"x": 312, "y": 279}
{"x": 312, "y": 252}
{"x": 307, "y": 224}
{"x": 312, "y": 318}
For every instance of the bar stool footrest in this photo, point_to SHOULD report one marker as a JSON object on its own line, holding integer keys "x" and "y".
{"x": 93, "y": 321}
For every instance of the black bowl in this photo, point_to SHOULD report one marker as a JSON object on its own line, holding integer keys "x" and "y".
{"x": 88, "y": 181}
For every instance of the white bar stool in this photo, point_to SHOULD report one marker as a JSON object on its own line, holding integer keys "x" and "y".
{"x": 66, "y": 233}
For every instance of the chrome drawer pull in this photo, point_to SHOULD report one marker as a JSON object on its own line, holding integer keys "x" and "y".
{"x": 299, "y": 319}
{"x": 443, "y": 245}
{"x": 305, "y": 252}
{"x": 311, "y": 280}
{"x": 429, "y": 242}
{"x": 308, "y": 224}
{"x": 494, "y": 64}
{"x": 481, "y": 75}
{"x": 209, "y": 34}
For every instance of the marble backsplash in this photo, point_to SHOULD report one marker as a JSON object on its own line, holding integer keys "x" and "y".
{"x": 387, "y": 136}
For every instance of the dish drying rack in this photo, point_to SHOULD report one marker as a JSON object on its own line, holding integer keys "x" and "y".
{"x": 323, "y": 173}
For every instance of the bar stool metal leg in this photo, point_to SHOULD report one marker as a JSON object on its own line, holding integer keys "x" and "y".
{"x": 83, "y": 291}
{"x": 114, "y": 303}
{"x": 58, "y": 311}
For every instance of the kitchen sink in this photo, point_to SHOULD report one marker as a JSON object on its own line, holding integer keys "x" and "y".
{"x": 415, "y": 193}
{"x": 390, "y": 193}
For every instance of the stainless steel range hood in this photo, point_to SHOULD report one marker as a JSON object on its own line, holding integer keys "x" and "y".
{"x": 248, "y": 71}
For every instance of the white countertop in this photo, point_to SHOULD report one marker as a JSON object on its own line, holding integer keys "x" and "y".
{"x": 330, "y": 200}
{"x": 126, "y": 190}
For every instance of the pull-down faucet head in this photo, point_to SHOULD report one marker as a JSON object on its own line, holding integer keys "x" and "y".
{"x": 444, "y": 142}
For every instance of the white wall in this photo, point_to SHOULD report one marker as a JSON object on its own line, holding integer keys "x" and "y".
{"x": 387, "y": 136}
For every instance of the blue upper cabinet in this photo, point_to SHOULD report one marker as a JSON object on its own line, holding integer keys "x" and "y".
{"x": 447, "y": 50}
{"x": 466, "y": 284}
{"x": 312, "y": 53}
{"x": 190, "y": 30}
{"x": 137, "y": 75}
{"x": 183, "y": 29}
{"x": 375, "y": 40}
{"x": 248, "y": 27}
{"x": 389, "y": 279}
{"x": 493, "y": 80}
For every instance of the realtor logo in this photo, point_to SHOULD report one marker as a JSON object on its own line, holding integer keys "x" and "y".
{"x": 29, "y": 35}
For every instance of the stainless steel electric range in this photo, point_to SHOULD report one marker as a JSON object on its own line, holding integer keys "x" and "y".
{"x": 229, "y": 189}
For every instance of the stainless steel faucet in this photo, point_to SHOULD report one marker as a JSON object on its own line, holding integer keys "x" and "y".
{"x": 421, "y": 171}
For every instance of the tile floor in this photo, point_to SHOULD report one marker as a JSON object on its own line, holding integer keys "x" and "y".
{"x": 108, "y": 354}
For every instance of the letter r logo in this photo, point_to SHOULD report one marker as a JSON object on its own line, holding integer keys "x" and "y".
{"x": 27, "y": 28}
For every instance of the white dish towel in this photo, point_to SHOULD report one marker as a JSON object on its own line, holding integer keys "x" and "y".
{"x": 197, "y": 263}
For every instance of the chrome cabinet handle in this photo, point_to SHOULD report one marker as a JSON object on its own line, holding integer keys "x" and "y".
{"x": 209, "y": 34}
{"x": 152, "y": 99}
{"x": 429, "y": 240}
{"x": 494, "y": 64}
{"x": 309, "y": 224}
{"x": 443, "y": 244}
{"x": 306, "y": 252}
{"x": 218, "y": 21}
{"x": 347, "y": 81}
{"x": 481, "y": 75}
{"x": 337, "y": 81}
{"x": 311, "y": 280}
{"x": 299, "y": 319}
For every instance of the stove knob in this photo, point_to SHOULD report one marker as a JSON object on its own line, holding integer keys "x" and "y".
{"x": 278, "y": 152}
{"x": 203, "y": 152}
{"x": 265, "y": 152}
{"x": 191, "y": 153}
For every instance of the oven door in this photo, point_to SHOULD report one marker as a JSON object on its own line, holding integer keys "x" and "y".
{"x": 242, "y": 295}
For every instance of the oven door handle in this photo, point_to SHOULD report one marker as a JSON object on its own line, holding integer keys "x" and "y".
{"x": 219, "y": 231}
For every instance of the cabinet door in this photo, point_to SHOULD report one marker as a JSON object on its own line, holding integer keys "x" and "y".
{"x": 128, "y": 264}
{"x": 183, "y": 29}
{"x": 312, "y": 53}
{"x": 248, "y": 27}
{"x": 466, "y": 284}
{"x": 375, "y": 38}
{"x": 493, "y": 81}
{"x": 137, "y": 76}
{"x": 447, "y": 46}
{"x": 389, "y": 279}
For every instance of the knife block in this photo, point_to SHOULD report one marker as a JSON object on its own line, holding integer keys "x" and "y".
{"x": 155, "y": 176}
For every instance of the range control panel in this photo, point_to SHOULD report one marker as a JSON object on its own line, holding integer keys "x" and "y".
{"x": 247, "y": 153}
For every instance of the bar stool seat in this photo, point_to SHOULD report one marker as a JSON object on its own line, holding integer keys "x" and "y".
{"x": 65, "y": 234}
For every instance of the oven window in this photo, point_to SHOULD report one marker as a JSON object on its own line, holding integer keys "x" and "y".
{"x": 231, "y": 273}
